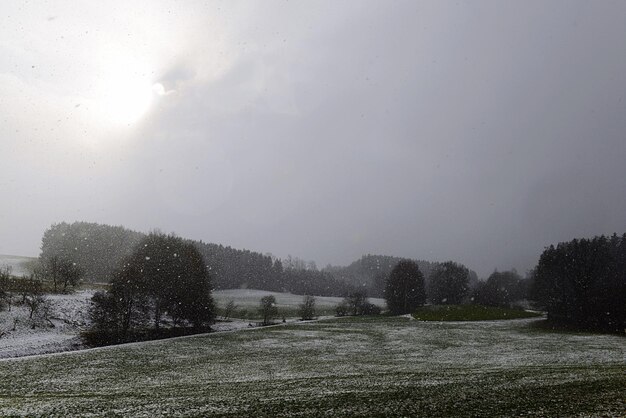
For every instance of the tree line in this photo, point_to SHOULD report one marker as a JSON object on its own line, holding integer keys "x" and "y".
{"x": 582, "y": 283}
{"x": 83, "y": 244}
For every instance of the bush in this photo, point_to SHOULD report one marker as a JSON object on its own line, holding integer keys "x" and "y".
{"x": 356, "y": 304}
{"x": 370, "y": 309}
{"x": 342, "y": 309}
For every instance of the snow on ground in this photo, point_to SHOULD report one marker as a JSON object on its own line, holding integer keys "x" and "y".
{"x": 67, "y": 317}
{"x": 344, "y": 367}
{"x": 250, "y": 298}
{"x": 17, "y": 263}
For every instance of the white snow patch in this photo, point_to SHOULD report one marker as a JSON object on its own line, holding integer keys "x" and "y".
{"x": 68, "y": 316}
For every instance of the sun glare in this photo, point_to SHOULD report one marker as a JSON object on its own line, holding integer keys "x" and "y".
{"x": 124, "y": 95}
{"x": 126, "y": 100}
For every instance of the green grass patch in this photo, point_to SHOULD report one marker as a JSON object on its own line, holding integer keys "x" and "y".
{"x": 469, "y": 313}
{"x": 379, "y": 366}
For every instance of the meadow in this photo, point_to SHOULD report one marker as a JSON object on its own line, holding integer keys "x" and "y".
{"x": 19, "y": 265}
{"x": 247, "y": 303}
{"x": 470, "y": 313}
{"x": 377, "y": 366}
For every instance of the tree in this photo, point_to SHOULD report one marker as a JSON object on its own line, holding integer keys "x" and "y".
{"x": 582, "y": 283}
{"x": 307, "y": 308}
{"x": 229, "y": 309}
{"x": 172, "y": 274}
{"x": 355, "y": 302}
{"x": 404, "y": 290}
{"x": 448, "y": 283}
{"x": 342, "y": 309}
{"x": 500, "y": 289}
{"x": 268, "y": 309}
{"x": 5, "y": 286}
{"x": 35, "y": 300}
{"x": 123, "y": 307}
{"x": 164, "y": 277}
{"x": 85, "y": 243}
{"x": 60, "y": 271}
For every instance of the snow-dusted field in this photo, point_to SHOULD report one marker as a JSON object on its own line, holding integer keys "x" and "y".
{"x": 18, "y": 264}
{"x": 352, "y": 366}
{"x": 247, "y": 301}
{"x": 67, "y": 317}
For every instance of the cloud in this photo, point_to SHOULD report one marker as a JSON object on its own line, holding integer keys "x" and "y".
{"x": 474, "y": 132}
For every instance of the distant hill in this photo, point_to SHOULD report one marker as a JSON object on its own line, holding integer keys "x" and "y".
{"x": 370, "y": 271}
{"x": 19, "y": 264}
{"x": 100, "y": 249}
{"x": 97, "y": 249}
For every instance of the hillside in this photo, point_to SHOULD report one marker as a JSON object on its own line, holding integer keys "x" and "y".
{"x": 346, "y": 367}
{"x": 19, "y": 265}
{"x": 99, "y": 249}
{"x": 371, "y": 271}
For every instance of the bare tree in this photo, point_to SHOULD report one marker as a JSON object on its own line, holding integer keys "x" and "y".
{"x": 229, "y": 309}
{"x": 5, "y": 286}
{"x": 60, "y": 271}
{"x": 307, "y": 308}
{"x": 268, "y": 309}
{"x": 36, "y": 302}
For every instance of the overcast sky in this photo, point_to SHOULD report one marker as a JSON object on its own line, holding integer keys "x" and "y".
{"x": 477, "y": 131}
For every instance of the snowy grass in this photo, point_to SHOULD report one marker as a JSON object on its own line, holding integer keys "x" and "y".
{"x": 380, "y": 366}
{"x": 68, "y": 314}
{"x": 18, "y": 264}
{"x": 248, "y": 300}
{"x": 469, "y": 313}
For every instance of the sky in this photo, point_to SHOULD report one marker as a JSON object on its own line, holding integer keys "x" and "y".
{"x": 474, "y": 131}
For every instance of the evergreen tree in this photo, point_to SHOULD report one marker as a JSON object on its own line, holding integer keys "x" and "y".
{"x": 500, "y": 289}
{"x": 582, "y": 283}
{"x": 404, "y": 290}
{"x": 448, "y": 283}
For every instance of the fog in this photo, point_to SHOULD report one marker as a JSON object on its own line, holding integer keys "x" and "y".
{"x": 476, "y": 131}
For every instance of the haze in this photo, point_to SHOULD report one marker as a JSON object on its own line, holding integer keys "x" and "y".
{"x": 474, "y": 131}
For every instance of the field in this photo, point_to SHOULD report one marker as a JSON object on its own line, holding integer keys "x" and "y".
{"x": 68, "y": 314}
{"x": 18, "y": 264}
{"x": 469, "y": 313}
{"x": 380, "y": 366}
{"x": 247, "y": 302}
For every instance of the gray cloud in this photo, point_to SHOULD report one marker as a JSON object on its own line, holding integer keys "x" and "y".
{"x": 479, "y": 131}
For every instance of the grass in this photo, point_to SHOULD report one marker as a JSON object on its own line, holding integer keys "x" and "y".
{"x": 248, "y": 300}
{"x": 469, "y": 313}
{"x": 384, "y": 366}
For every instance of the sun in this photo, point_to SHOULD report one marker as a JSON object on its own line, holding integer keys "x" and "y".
{"x": 124, "y": 95}
{"x": 126, "y": 99}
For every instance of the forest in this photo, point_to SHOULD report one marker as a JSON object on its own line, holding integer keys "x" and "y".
{"x": 580, "y": 284}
